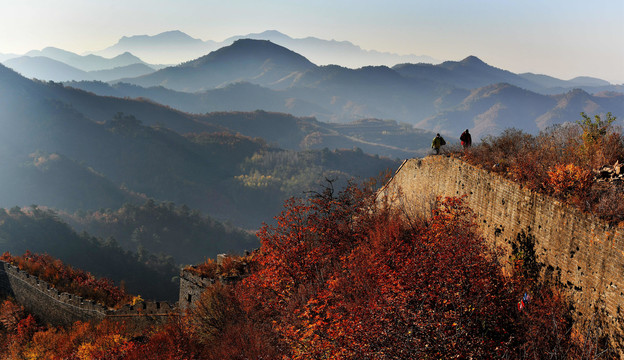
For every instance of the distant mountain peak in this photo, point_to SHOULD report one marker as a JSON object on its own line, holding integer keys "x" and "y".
{"x": 128, "y": 56}
{"x": 52, "y": 48}
{"x": 254, "y": 43}
{"x": 52, "y": 52}
{"x": 589, "y": 81}
{"x": 251, "y": 41}
{"x": 273, "y": 33}
{"x": 173, "y": 33}
{"x": 577, "y": 93}
{"x": 469, "y": 62}
{"x": 251, "y": 48}
{"x": 167, "y": 36}
{"x": 473, "y": 61}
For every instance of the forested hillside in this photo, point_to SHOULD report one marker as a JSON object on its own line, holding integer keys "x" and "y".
{"x": 162, "y": 187}
{"x": 41, "y": 231}
{"x": 335, "y": 278}
{"x": 176, "y": 233}
{"x": 74, "y": 157}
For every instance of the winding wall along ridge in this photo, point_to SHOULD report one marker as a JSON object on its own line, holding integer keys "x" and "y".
{"x": 61, "y": 308}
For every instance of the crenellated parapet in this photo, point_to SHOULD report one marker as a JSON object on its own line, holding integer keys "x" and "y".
{"x": 43, "y": 300}
{"x": 61, "y": 308}
{"x": 144, "y": 313}
{"x": 146, "y": 308}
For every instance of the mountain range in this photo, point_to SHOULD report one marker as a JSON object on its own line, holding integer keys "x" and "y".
{"x": 45, "y": 68}
{"x": 87, "y": 62}
{"x": 463, "y": 74}
{"x": 175, "y": 47}
{"x": 251, "y": 75}
{"x": 69, "y": 149}
{"x": 447, "y": 98}
{"x": 260, "y": 60}
{"x": 170, "y": 47}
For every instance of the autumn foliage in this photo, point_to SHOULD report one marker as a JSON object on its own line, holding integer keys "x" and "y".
{"x": 560, "y": 161}
{"x": 566, "y": 180}
{"x": 339, "y": 278}
{"x": 231, "y": 266}
{"x": 82, "y": 340}
{"x": 67, "y": 279}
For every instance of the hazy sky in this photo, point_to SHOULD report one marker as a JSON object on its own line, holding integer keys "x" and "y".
{"x": 562, "y": 38}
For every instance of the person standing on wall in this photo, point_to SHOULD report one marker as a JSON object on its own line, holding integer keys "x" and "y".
{"x": 437, "y": 142}
{"x": 466, "y": 139}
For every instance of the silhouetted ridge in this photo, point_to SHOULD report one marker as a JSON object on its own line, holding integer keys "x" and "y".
{"x": 257, "y": 61}
{"x": 473, "y": 60}
{"x": 250, "y": 49}
{"x": 169, "y": 36}
{"x": 8, "y": 73}
{"x": 11, "y": 79}
{"x": 470, "y": 61}
{"x": 127, "y": 56}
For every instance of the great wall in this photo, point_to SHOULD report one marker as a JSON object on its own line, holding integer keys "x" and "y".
{"x": 61, "y": 308}
{"x": 582, "y": 252}
{"x": 58, "y": 308}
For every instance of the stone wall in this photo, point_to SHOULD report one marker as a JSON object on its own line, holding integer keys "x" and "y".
{"x": 144, "y": 313}
{"x": 191, "y": 288}
{"x": 582, "y": 251}
{"x": 44, "y": 301}
{"x": 193, "y": 285}
{"x": 57, "y": 308}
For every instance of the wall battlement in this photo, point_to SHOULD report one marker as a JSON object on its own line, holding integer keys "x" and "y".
{"x": 61, "y": 308}
{"x": 580, "y": 250}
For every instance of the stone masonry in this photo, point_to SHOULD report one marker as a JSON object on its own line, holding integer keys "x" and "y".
{"x": 191, "y": 288}
{"x": 583, "y": 252}
{"x": 54, "y": 307}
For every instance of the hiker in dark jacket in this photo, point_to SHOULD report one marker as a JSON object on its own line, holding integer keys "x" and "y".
{"x": 466, "y": 139}
{"x": 437, "y": 142}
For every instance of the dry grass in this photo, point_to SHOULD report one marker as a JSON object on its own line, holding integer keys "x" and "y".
{"x": 560, "y": 161}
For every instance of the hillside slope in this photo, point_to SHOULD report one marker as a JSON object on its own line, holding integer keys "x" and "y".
{"x": 119, "y": 157}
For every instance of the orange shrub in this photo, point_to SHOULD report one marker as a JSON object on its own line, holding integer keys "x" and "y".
{"x": 207, "y": 269}
{"x": 569, "y": 179}
{"x": 559, "y": 161}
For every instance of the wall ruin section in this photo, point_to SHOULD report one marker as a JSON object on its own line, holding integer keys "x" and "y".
{"x": 60, "y": 308}
{"x": 191, "y": 288}
{"x": 583, "y": 252}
